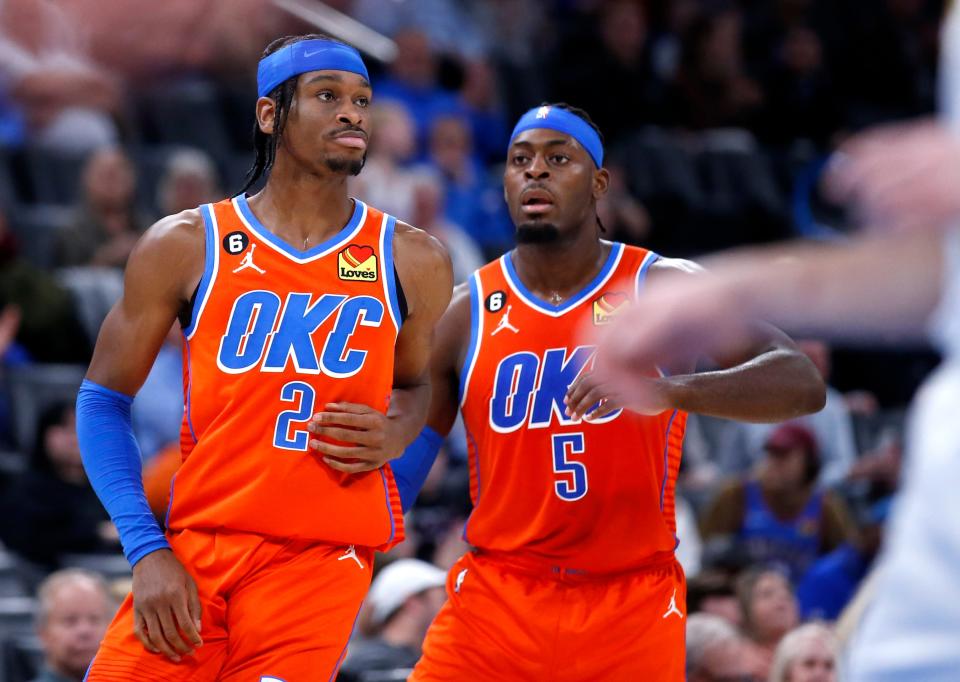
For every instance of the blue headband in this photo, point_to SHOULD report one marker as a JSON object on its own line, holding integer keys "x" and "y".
{"x": 304, "y": 56}
{"x": 554, "y": 118}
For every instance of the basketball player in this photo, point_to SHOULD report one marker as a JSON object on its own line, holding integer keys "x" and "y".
{"x": 296, "y": 302}
{"x": 900, "y": 281}
{"x": 573, "y": 576}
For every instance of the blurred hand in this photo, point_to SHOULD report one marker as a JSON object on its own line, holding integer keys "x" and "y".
{"x": 646, "y": 395}
{"x": 166, "y": 606}
{"x": 900, "y": 177}
{"x": 675, "y": 321}
{"x": 372, "y": 438}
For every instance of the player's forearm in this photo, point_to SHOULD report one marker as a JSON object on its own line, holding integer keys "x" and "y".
{"x": 872, "y": 286}
{"x": 775, "y": 386}
{"x": 408, "y": 410}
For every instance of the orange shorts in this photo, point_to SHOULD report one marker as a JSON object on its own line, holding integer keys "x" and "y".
{"x": 272, "y": 610}
{"x": 508, "y": 622}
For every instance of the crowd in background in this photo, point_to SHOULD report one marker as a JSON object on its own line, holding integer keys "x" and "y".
{"x": 718, "y": 117}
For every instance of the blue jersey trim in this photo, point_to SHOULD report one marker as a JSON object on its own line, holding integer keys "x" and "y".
{"x": 473, "y": 347}
{"x": 166, "y": 517}
{"x": 336, "y": 668}
{"x": 358, "y": 211}
{"x": 530, "y": 298}
{"x": 193, "y": 434}
{"x": 648, "y": 260}
{"x": 386, "y": 492}
{"x": 476, "y": 461}
{"x": 666, "y": 454}
{"x": 389, "y": 274}
{"x": 209, "y": 268}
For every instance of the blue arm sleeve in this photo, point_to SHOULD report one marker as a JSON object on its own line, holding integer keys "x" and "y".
{"x": 411, "y": 468}
{"x": 112, "y": 461}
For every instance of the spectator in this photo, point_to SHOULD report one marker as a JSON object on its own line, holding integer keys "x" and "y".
{"x": 67, "y": 100}
{"x": 403, "y": 600}
{"x": 593, "y": 76}
{"x": 807, "y": 654}
{"x": 713, "y": 592}
{"x": 386, "y": 180}
{"x": 472, "y": 201}
{"x": 712, "y": 88}
{"x": 623, "y": 217}
{"x": 189, "y": 180}
{"x": 74, "y": 611}
{"x": 769, "y": 612}
{"x": 831, "y": 582}
{"x": 107, "y": 224}
{"x": 50, "y": 509}
{"x": 715, "y": 651}
{"x": 778, "y": 516}
{"x": 412, "y": 80}
{"x": 428, "y": 215}
{"x": 47, "y": 326}
{"x": 832, "y": 426}
{"x": 480, "y": 101}
{"x": 158, "y": 409}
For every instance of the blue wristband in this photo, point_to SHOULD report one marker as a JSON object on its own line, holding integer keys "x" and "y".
{"x": 111, "y": 458}
{"x": 410, "y": 470}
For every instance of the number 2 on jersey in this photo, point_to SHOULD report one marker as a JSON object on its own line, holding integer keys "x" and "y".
{"x": 564, "y": 445}
{"x": 302, "y": 395}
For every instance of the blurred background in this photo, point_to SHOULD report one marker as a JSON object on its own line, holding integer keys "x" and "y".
{"x": 718, "y": 117}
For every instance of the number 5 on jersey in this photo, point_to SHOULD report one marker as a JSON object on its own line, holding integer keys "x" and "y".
{"x": 573, "y": 484}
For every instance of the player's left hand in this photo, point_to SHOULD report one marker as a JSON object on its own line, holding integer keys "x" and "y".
{"x": 593, "y": 395}
{"x": 371, "y": 438}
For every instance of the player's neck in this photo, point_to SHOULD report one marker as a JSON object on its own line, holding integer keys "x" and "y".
{"x": 303, "y": 209}
{"x": 562, "y": 268}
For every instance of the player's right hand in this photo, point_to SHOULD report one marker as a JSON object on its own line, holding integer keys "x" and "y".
{"x": 166, "y": 606}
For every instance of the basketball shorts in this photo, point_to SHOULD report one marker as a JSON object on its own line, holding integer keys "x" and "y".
{"x": 504, "y": 621}
{"x": 271, "y": 610}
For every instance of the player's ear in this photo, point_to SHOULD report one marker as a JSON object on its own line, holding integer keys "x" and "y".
{"x": 266, "y": 114}
{"x": 601, "y": 182}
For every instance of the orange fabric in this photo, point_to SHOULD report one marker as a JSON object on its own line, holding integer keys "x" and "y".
{"x": 289, "y": 608}
{"x": 157, "y": 475}
{"x": 277, "y": 334}
{"x": 503, "y": 623}
{"x": 588, "y": 496}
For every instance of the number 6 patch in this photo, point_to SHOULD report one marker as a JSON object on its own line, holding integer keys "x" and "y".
{"x": 236, "y": 242}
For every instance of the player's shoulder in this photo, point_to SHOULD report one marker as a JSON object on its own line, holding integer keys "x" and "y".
{"x": 172, "y": 244}
{"x": 419, "y": 246}
{"x": 180, "y": 229}
{"x": 676, "y": 265}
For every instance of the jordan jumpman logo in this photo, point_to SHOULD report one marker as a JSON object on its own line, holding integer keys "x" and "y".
{"x": 505, "y": 323}
{"x": 351, "y": 553}
{"x": 672, "y": 609}
{"x": 247, "y": 262}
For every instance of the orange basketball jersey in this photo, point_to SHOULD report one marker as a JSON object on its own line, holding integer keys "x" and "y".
{"x": 595, "y": 496}
{"x": 276, "y": 334}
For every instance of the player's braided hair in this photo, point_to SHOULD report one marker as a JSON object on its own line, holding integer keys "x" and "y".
{"x": 580, "y": 113}
{"x": 266, "y": 145}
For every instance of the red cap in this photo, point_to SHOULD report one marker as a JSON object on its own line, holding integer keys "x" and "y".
{"x": 791, "y": 435}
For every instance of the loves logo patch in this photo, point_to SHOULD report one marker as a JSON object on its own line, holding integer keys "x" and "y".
{"x": 608, "y": 306}
{"x": 357, "y": 264}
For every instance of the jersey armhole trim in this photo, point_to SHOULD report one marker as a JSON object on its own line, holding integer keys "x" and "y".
{"x": 641, "y": 277}
{"x": 211, "y": 262}
{"x": 388, "y": 268}
{"x": 476, "y": 333}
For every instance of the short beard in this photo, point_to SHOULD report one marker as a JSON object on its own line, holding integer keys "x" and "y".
{"x": 338, "y": 164}
{"x": 534, "y": 233}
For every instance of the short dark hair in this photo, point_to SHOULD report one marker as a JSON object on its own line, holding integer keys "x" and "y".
{"x": 266, "y": 145}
